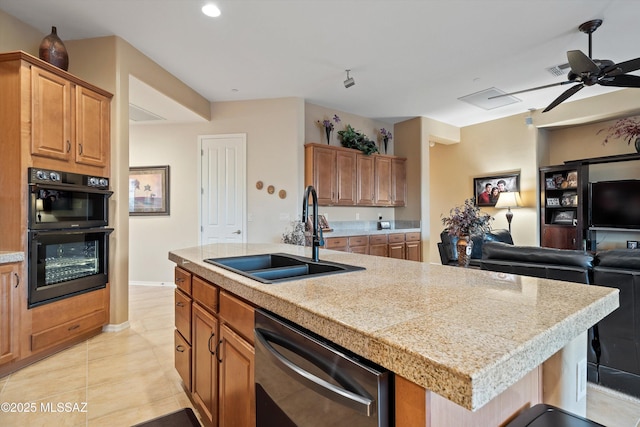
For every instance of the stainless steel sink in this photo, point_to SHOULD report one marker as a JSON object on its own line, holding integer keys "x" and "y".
{"x": 279, "y": 267}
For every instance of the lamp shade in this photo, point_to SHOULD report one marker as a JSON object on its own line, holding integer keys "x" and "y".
{"x": 508, "y": 199}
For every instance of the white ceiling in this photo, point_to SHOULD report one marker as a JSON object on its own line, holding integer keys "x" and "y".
{"x": 408, "y": 57}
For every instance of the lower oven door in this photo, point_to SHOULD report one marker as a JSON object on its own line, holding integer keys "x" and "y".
{"x": 66, "y": 263}
{"x": 305, "y": 381}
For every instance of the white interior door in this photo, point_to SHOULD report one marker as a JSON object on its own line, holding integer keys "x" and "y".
{"x": 223, "y": 189}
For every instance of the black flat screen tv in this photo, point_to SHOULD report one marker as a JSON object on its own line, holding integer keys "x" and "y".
{"x": 615, "y": 204}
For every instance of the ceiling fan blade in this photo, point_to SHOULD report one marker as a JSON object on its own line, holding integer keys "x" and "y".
{"x": 530, "y": 89}
{"x": 581, "y": 63}
{"x": 623, "y": 67}
{"x": 566, "y": 94}
{"x": 623, "y": 80}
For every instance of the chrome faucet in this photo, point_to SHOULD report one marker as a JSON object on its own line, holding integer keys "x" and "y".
{"x": 317, "y": 239}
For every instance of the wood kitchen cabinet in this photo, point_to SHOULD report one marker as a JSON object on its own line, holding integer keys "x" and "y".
{"x": 399, "y": 181}
{"x": 69, "y": 120}
{"x": 378, "y": 245}
{"x": 412, "y": 246}
{"x": 332, "y": 174}
{"x": 346, "y": 177}
{"x": 396, "y": 245}
{"x": 221, "y": 363}
{"x": 10, "y": 291}
{"x": 359, "y": 244}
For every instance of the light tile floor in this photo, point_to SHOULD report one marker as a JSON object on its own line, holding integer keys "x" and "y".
{"x": 128, "y": 377}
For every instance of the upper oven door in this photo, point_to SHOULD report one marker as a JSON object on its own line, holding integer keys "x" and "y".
{"x": 59, "y": 206}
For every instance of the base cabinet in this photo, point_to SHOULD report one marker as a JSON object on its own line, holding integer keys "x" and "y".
{"x": 9, "y": 312}
{"x": 217, "y": 366}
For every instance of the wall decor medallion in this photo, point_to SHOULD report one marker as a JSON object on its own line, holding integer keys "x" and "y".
{"x": 259, "y": 185}
{"x": 271, "y": 189}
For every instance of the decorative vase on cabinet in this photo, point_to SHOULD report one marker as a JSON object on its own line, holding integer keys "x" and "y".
{"x": 53, "y": 50}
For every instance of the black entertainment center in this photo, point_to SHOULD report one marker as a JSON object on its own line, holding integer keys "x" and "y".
{"x": 573, "y": 210}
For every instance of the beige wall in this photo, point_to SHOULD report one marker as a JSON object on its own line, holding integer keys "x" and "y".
{"x": 274, "y": 156}
{"x": 487, "y": 149}
{"x": 16, "y": 35}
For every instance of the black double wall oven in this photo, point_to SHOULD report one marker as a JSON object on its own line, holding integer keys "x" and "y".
{"x": 68, "y": 234}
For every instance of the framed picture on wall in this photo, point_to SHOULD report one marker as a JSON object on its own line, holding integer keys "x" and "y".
{"x": 149, "y": 190}
{"x": 488, "y": 188}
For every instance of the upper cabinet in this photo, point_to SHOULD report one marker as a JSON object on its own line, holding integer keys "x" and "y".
{"x": 346, "y": 177}
{"x": 65, "y": 121}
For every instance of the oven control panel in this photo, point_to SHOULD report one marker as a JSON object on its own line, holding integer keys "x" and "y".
{"x": 41, "y": 176}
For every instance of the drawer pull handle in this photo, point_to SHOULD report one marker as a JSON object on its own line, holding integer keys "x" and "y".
{"x": 17, "y": 280}
{"x": 68, "y": 146}
{"x": 180, "y": 348}
{"x": 80, "y": 147}
{"x": 180, "y": 304}
{"x": 71, "y": 328}
{"x": 218, "y": 351}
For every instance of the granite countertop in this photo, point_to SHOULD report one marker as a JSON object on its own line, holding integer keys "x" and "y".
{"x": 9, "y": 257}
{"x": 363, "y": 232}
{"x": 465, "y": 334}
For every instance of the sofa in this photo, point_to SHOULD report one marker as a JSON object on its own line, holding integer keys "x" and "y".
{"x": 613, "y": 352}
{"x": 449, "y": 253}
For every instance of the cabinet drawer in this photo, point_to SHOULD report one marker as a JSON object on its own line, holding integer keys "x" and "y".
{"x": 358, "y": 241}
{"x": 61, "y": 333}
{"x": 378, "y": 239}
{"x": 183, "y": 314}
{"x": 237, "y": 314}
{"x": 338, "y": 243}
{"x": 412, "y": 237}
{"x": 205, "y": 293}
{"x": 183, "y": 280}
{"x": 396, "y": 238}
{"x": 183, "y": 359}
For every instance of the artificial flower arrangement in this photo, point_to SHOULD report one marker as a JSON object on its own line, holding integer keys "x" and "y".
{"x": 627, "y": 129}
{"x": 327, "y": 125}
{"x": 466, "y": 220}
{"x": 352, "y": 138}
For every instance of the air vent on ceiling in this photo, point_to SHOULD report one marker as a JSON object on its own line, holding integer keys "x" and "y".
{"x": 138, "y": 114}
{"x": 559, "y": 70}
{"x": 483, "y": 99}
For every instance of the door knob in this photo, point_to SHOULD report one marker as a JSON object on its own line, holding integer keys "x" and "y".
{"x": 237, "y": 232}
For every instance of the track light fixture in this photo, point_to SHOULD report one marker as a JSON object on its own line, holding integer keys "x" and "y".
{"x": 349, "y": 82}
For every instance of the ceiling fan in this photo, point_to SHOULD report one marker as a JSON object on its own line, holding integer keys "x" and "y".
{"x": 587, "y": 72}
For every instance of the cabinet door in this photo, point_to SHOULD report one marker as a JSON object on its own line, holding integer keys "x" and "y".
{"x": 346, "y": 180}
{"x": 559, "y": 237}
{"x": 204, "y": 366}
{"x": 382, "y": 181}
{"x": 182, "y": 359}
{"x": 237, "y": 389}
{"x": 396, "y": 250}
{"x": 366, "y": 180}
{"x": 413, "y": 251}
{"x": 399, "y": 181}
{"x": 92, "y": 127}
{"x": 51, "y": 121}
{"x": 183, "y": 314}
{"x": 324, "y": 175}
{"x": 9, "y": 315}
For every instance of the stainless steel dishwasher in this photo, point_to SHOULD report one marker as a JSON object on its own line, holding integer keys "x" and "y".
{"x": 304, "y": 381}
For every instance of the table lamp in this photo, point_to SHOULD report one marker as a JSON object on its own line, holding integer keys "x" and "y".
{"x": 509, "y": 199}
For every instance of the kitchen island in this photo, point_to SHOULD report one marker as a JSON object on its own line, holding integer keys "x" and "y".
{"x": 466, "y": 335}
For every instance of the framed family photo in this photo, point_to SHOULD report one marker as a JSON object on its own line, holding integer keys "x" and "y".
{"x": 488, "y": 188}
{"x": 149, "y": 190}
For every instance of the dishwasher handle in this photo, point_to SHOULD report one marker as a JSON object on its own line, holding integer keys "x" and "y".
{"x": 361, "y": 404}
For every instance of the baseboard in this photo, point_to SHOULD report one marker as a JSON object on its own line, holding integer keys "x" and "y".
{"x": 138, "y": 283}
{"x": 116, "y": 328}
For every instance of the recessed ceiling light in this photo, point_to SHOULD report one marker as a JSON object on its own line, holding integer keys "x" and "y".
{"x": 211, "y": 10}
